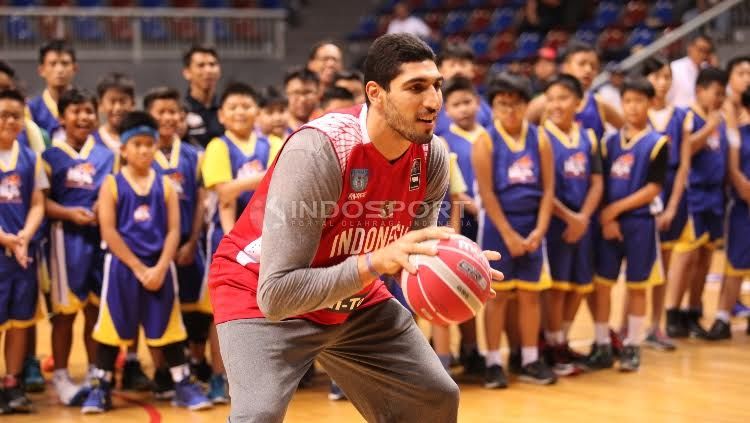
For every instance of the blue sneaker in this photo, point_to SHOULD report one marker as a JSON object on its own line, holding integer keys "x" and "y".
{"x": 740, "y": 310}
{"x": 33, "y": 381}
{"x": 99, "y": 399}
{"x": 188, "y": 394}
{"x": 336, "y": 394}
{"x": 217, "y": 389}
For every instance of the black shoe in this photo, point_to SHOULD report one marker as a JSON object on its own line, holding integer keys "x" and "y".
{"x": 719, "y": 330}
{"x": 630, "y": 360}
{"x": 473, "y": 362}
{"x": 17, "y": 400}
{"x": 601, "y": 357}
{"x": 514, "y": 362}
{"x": 695, "y": 330}
{"x": 201, "y": 370}
{"x": 494, "y": 378}
{"x": 4, "y": 407}
{"x": 676, "y": 323}
{"x": 307, "y": 379}
{"x": 616, "y": 342}
{"x": 133, "y": 378}
{"x": 537, "y": 373}
{"x": 560, "y": 362}
{"x": 163, "y": 387}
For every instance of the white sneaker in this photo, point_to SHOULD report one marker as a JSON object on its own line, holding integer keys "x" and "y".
{"x": 68, "y": 392}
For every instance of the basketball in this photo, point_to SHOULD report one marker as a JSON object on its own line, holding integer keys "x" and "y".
{"x": 450, "y": 287}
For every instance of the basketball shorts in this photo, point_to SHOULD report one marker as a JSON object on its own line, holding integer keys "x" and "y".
{"x": 705, "y": 229}
{"x": 571, "y": 266}
{"x": 126, "y": 305}
{"x": 738, "y": 239}
{"x": 679, "y": 232}
{"x": 19, "y": 293}
{"x": 193, "y": 282}
{"x": 527, "y": 272}
{"x": 639, "y": 249}
{"x": 76, "y": 262}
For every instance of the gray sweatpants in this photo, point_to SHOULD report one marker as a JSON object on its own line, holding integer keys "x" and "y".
{"x": 378, "y": 357}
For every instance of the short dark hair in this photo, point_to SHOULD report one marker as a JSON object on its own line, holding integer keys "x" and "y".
{"x": 745, "y": 98}
{"x": 318, "y": 45}
{"x": 348, "y": 75}
{"x": 239, "y": 88}
{"x": 639, "y": 85}
{"x": 301, "y": 73}
{"x": 455, "y": 51}
{"x": 7, "y": 69}
{"x": 160, "y": 93}
{"x": 458, "y": 83}
{"x": 568, "y": 82}
{"x": 736, "y": 61}
{"x": 388, "y": 52}
{"x": 506, "y": 83}
{"x": 57, "y": 45}
{"x": 271, "y": 97}
{"x": 710, "y": 75}
{"x": 575, "y": 47}
{"x": 75, "y": 96}
{"x": 116, "y": 81}
{"x": 653, "y": 64}
{"x": 198, "y": 48}
{"x": 135, "y": 119}
{"x": 702, "y": 36}
{"x": 336, "y": 93}
{"x": 12, "y": 94}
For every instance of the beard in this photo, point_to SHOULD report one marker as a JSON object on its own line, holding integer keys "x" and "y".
{"x": 403, "y": 127}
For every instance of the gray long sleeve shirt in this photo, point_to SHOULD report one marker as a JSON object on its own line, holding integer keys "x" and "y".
{"x": 308, "y": 172}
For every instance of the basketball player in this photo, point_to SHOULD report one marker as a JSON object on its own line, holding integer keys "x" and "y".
{"x": 116, "y": 93}
{"x": 58, "y": 67}
{"x": 317, "y": 295}
{"x": 31, "y": 135}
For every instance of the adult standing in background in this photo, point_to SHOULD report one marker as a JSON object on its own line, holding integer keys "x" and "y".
{"x": 685, "y": 70}
{"x": 325, "y": 60}
{"x": 202, "y": 71}
{"x": 404, "y": 22}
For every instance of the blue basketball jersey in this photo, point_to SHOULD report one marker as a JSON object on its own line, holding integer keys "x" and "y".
{"x": 572, "y": 157}
{"x": 517, "y": 169}
{"x": 245, "y": 165}
{"x": 75, "y": 176}
{"x": 484, "y": 118}
{"x": 673, "y": 131}
{"x": 43, "y": 111}
{"x": 590, "y": 115}
{"x": 17, "y": 187}
{"x": 461, "y": 142}
{"x": 744, "y": 155}
{"x": 708, "y": 167}
{"x": 625, "y": 164}
{"x": 142, "y": 219}
{"x": 182, "y": 169}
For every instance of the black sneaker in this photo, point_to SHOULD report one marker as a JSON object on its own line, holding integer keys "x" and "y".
{"x": 163, "y": 387}
{"x": 537, "y": 373}
{"x": 17, "y": 400}
{"x": 307, "y": 378}
{"x": 473, "y": 362}
{"x": 133, "y": 378}
{"x": 719, "y": 330}
{"x": 601, "y": 357}
{"x": 695, "y": 330}
{"x": 630, "y": 360}
{"x": 4, "y": 407}
{"x": 494, "y": 378}
{"x": 676, "y": 323}
{"x": 201, "y": 370}
{"x": 616, "y": 342}
{"x": 514, "y": 362}
{"x": 561, "y": 363}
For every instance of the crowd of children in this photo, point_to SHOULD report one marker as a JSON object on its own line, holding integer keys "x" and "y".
{"x": 119, "y": 220}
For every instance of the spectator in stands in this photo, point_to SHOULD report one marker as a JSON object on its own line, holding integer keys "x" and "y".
{"x": 202, "y": 71}
{"x": 685, "y": 70}
{"x": 325, "y": 60}
{"x": 610, "y": 92}
{"x": 302, "y": 89}
{"x": 543, "y": 15}
{"x": 404, "y": 22}
{"x": 353, "y": 81}
{"x": 545, "y": 68}
{"x": 336, "y": 98}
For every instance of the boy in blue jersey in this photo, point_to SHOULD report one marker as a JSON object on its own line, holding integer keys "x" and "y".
{"x": 22, "y": 180}
{"x": 635, "y": 162}
{"x": 58, "y": 67}
{"x": 570, "y": 239}
{"x": 139, "y": 218}
{"x": 76, "y": 166}
{"x": 514, "y": 169}
{"x": 702, "y": 132}
{"x": 31, "y": 135}
{"x": 116, "y": 94}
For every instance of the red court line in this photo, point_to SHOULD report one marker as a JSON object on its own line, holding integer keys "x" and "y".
{"x": 153, "y": 414}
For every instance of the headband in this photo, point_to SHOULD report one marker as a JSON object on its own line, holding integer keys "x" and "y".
{"x": 138, "y": 130}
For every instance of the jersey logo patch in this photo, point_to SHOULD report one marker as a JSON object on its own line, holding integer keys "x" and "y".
{"x": 415, "y": 174}
{"x": 358, "y": 179}
{"x": 10, "y": 189}
{"x": 522, "y": 171}
{"x": 713, "y": 141}
{"x": 177, "y": 182}
{"x": 575, "y": 165}
{"x": 622, "y": 167}
{"x": 249, "y": 169}
{"x": 142, "y": 213}
{"x": 80, "y": 176}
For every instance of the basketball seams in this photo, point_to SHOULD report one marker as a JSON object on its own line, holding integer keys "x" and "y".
{"x": 451, "y": 279}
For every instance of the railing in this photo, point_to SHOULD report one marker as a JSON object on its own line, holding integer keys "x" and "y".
{"x": 139, "y": 34}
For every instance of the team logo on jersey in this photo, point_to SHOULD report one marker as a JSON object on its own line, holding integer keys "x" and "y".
{"x": 142, "y": 213}
{"x": 177, "y": 182}
{"x": 575, "y": 165}
{"x": 249, "y": 169}
{"x": 622, "y": 167}
{"x": 80, "y": 176}
{"x": 386, "y": 212}
{"x": 10, "y": 189}
{"x": 713, "y": 141}
{"x": 358, "y": 179}
{"x": 415, "y": 176}
{"x": 522, "y": 171}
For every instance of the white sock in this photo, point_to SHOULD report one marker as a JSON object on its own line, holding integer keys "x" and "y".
{"x": 559, "y": 337}
{"x": 529, "y": 355}
{"x": 635, "y": 330}
{"x": 549, "y": 337}
{"x": 179, "y": 372}
{"x": 493, "y": 358}
{"x": 131, "y": 356}
{"x": 723, "y": 316}
{"x": 60, "y": 374}
{"x": 566, "y": 329}
{"x": 601, "y": 333}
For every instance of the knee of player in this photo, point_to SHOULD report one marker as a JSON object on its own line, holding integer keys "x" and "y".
{"x": 446, "y": 392}
{"x": 256, "y": 411}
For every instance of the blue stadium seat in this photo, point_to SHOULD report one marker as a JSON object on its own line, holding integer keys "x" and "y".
{"x": 20, "y": 29}
{"x": 606, "y": 14}
{"x": 23, "y": 3}
{"x": 153, "y": 3}
{"x": 222, "y": 31}
{"x": 480, "y": 43}
{"x": 429, "y": 5}
{"x": 271, "y": 4}
{"x": 154, "y": 29}
{"x": 214, "y": 4}
{"x": 642, "y": 36}
{"x": 587, "y": 33}
{"x": 455, "y": 22}
{"x": 527, "y": 45}
{"x": 368, "y": 28}
{"x": 501, "y": 20}
{"x": 662, "y": 11}
{"x": 87, "y": 28}
{"x": 90, "y": 3}
{"x": 496, "y": 68}
{"x": 476, "y": 4}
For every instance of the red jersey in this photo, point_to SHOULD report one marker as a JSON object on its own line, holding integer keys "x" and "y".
{"x": 370, "y": 215}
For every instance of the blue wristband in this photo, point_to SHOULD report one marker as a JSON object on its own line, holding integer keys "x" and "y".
{"x": 370, "y": 267}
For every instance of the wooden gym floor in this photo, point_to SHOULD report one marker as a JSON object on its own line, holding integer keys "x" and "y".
{"x": 700, "y": 382}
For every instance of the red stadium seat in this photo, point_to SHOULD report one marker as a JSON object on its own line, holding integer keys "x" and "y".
{"x": 186, "y": 29}
{"x": 120, "y": 29}
{"x": 434, "y": 20}
{"x": 635, "y": 13}
{"x": 479, "y": 20}
{"x": 556, "y": 39}
{"x": 501, "y": 44}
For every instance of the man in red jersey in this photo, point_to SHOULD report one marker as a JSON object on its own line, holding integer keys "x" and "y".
{"x": 330, "y": 217}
